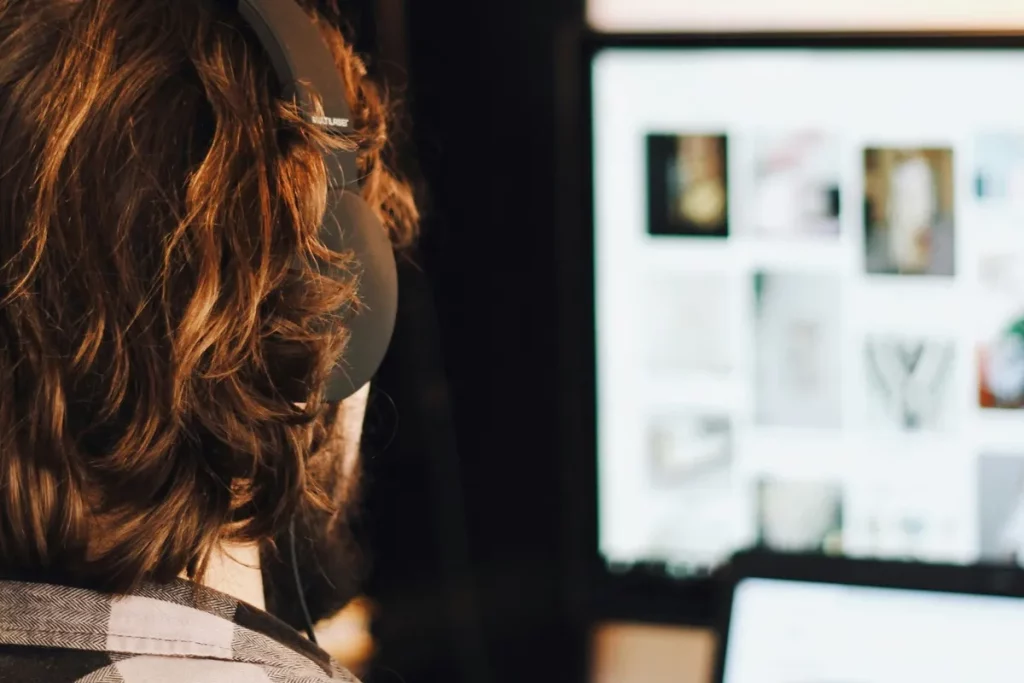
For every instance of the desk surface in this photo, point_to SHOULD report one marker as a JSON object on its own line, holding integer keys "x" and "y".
{"x": 652, "y": 654}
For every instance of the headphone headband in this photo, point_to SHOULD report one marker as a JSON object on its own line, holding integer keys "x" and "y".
{"x": 304, "y": 65}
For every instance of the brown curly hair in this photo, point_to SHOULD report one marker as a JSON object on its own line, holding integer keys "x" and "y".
{"x": 158, "y": 239}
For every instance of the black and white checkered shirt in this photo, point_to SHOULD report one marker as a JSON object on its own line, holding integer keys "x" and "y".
{"x": 174, "y": 633}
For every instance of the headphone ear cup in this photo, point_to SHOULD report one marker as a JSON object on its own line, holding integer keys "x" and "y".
{"x": 350, "y": 224}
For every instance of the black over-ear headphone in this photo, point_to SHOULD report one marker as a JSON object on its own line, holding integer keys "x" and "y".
{"x": 306, "y": 69}
{"x": 304, "y": 65}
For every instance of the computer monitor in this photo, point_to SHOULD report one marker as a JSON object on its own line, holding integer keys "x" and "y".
{"x": 797, "y": 631}
{"x": 809, "y": 297}
{"x": 635, "y": 16}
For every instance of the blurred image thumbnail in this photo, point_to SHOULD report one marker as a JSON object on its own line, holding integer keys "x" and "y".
{"x": 798, "y": 349}
{"x": 698, "y": 523}
{"x": 1000, "y": 310}
{"x": 800, "y": 516}
{"x": 1001, "y": 508}
{"x": 796, "y": 184}
{"x": 696, "y": 504}
{"x": 1001, "y": 370}
{"x": 909, "y": 382}
{"x": 684, "y": 446}
{"x": 688, "y": 189}
{"x": 688, "y": 327}
{"x": 1000, "y": 166}
{"x": 909, "y": 226}
{"x": 895, "y": 514}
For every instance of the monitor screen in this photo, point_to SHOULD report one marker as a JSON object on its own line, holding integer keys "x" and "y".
{"x": 805, "y": 15}
{"x": 791, "y": 632}
{"x": 810, "y": 303}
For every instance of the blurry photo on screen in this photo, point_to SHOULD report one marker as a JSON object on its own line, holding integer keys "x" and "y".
{"x": 1001, "y": 508}
{"x": 909, "y": 211}
{"x": 893, "y": 515}
{"x": 798, "y": 349}
{"x": 1000, "y": 314}
{"x": 800, "y": 516}
{"x": 999, "y": 175}
{"x": 688, "y": 188}
{"x": 698, "y": 521}
{"x": 688, "y": 325}
{"x": 796, "y": 184}
{"x": 686, "y": 445}
{"x": 909, "y": 382}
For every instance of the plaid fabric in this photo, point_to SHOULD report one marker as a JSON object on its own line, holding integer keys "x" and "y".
{"x": 176, "y": 633}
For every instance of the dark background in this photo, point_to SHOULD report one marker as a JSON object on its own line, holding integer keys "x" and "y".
{"x": 470, "y": 493}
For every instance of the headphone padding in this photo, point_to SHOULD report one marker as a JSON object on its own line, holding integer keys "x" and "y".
{"x": 350, "y": 224}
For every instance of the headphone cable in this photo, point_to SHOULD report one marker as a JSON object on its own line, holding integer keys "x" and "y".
{"x": 298, "y": 584}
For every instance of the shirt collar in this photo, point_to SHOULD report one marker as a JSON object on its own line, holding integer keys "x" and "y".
{"x": 179, "y": 619}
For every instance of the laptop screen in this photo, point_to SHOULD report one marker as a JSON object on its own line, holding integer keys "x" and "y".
{"x": 795, "y": 632}
{"x": 809, "y": 283}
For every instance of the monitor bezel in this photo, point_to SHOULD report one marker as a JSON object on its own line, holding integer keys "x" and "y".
{"x": 646, "y": 594}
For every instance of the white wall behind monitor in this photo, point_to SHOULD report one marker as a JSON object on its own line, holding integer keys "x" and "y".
{"x": 804, "y": 15}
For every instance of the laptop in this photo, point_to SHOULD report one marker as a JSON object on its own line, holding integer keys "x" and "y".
{"x": 819, "y": 620}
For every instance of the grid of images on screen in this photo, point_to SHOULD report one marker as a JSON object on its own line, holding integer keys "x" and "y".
{"x": 907, "y": 228}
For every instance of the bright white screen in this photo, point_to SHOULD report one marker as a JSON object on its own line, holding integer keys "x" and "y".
{"x": 789, "y": 632}
{"x": 806, "y": 335}
{"x": 814, "y": 15}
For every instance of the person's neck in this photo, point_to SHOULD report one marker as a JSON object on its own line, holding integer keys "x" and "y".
{"x": 235, "y": 571}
